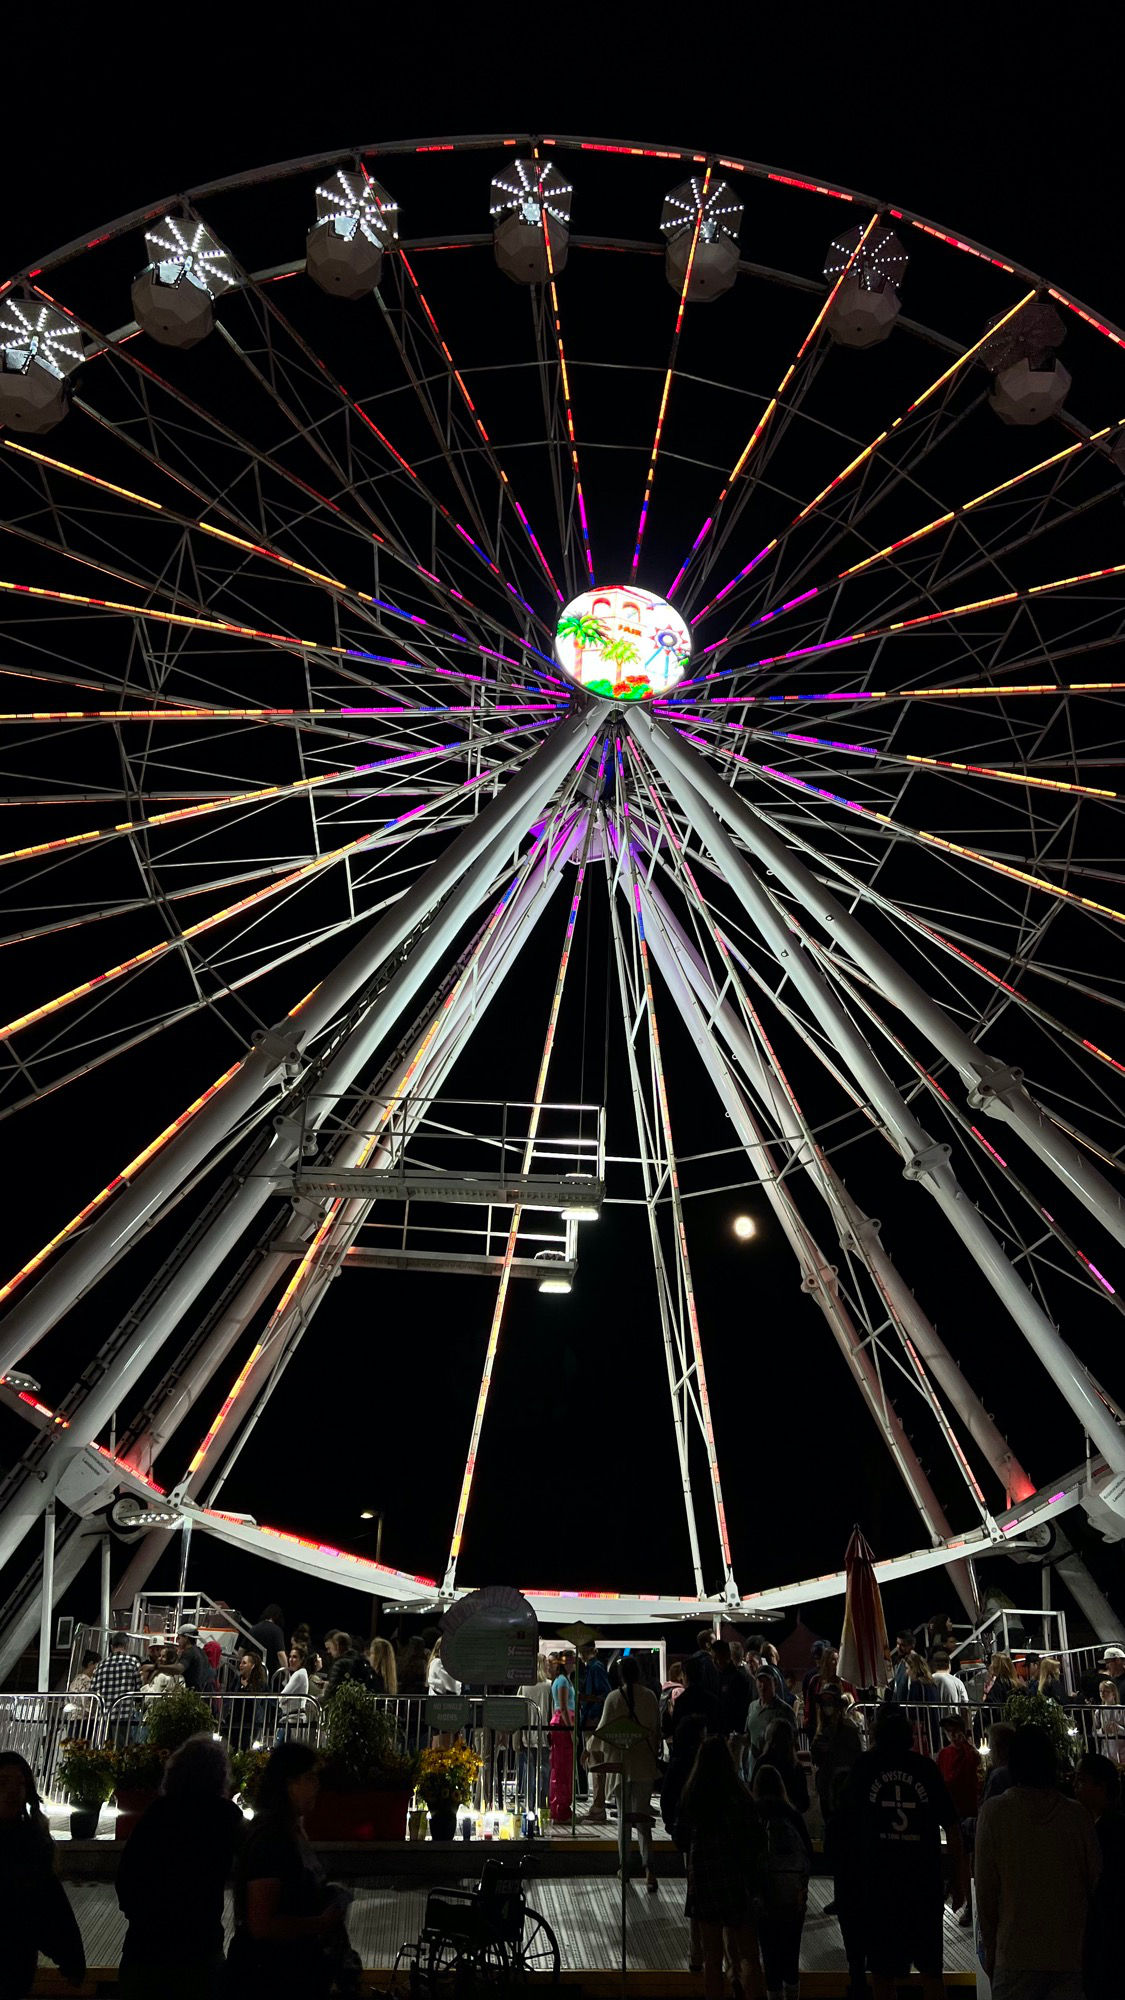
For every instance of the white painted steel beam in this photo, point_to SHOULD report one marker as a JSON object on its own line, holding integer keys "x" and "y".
{"x": 695, "y": 788}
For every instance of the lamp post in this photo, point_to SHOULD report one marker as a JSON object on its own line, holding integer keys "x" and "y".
{"x": 374, "y": 1514}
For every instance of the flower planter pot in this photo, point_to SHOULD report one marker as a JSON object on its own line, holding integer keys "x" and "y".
{"x": 443, "y": 1822}
{"x": 358, "y": 1816}
{"x": 132, "y": 1801}
{"x": 84, "y": 1822}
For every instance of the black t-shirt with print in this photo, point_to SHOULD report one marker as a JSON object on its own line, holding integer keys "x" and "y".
{"x": 896, "y": 1805}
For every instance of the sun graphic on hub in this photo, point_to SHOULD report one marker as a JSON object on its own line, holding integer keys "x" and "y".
{"x": 622, "y": 643}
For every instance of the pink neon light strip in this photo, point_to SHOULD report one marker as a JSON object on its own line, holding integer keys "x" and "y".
{"x": 846, "y": 639}
{"x": 257, "y": 897}
{"x": 674, "y": 1179}
{"x": 474, "y": 414}
{"x": 862, "y": 457}
{"x": 915, "y": 833}
{"x": 662, "y": 412}
{"x": 939, "y": 764}
{"x": 564, "y": 375}
{"x": 771, "y": 408}
{"x": 493, "y": 1344}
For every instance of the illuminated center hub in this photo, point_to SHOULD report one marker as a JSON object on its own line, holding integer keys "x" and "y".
{"x": 622, "y": 643}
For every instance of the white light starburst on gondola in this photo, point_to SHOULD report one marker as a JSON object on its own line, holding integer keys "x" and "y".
{"x": 530, "y": 189}
{"x": 358, "y": 205}
{"x": 881, "y": 261}
{"x": 181, "y": 250}
{"x": 38, "y": 334}
{"x": 721, "y": 216}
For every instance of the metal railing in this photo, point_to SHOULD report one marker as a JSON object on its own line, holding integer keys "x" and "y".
{"x": 1089, "y": 1727}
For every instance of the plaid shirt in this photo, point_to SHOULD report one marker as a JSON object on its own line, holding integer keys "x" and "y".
{"x": 118, "y": 1675}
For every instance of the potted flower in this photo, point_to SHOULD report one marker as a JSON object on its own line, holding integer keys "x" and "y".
{"x": 367, "y": 1776}
{"x": 169, "y": 1719}
{"x": 86, "y": 1776}
{"x": 446, "y": 1779}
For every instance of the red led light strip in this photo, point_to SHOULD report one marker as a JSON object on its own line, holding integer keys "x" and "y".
{"x": 662, "y": 412}
{"x": 126, "y": 1173}
{"x": 1002, "y": 599}
{"x": 224, "y": 804}
{"x": 704, "y": 1400}
{"x": 564, "y": 374}
{"x": 492, "y": 1347}
{"x": 473, "y": 412}
{"x": 917, "y": 833}
{"x": 769, "y": 412}
{"x": 898, "y": 757}
{"x": 862, "y": 457}
{"x": 252, "y": 901}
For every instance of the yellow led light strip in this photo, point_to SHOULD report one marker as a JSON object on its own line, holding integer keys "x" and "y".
{"x": 868, "y": 451}
{"x": 239, "y": 542}
{"x": 131, "y": 1167}
{"x": 156, "y": 951}
{"x": 929, "y": 839}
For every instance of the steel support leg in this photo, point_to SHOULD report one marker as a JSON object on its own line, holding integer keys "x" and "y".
{"x": 993, "y": 1087}
{"x": 79, "y": 1266}
{"x": 693, "y": 785}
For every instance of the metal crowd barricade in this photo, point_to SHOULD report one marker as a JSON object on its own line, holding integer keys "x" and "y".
{"x": 1090, "y": 1728}
{"x": 515, "y": 1762}
{"x": 36, "y": 1726}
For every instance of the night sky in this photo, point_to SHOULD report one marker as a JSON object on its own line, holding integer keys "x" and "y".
{"x": 577, "y": 1479}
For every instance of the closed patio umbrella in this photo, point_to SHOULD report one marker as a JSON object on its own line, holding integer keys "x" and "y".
{"x": 864, "y": 1645}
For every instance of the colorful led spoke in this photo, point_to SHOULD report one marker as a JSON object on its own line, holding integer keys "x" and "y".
{"x": 671, "y": 369}
{"x": 564, "y": 376}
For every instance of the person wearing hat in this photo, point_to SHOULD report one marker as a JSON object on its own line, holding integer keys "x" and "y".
{"x": 1110, "y": 1667}
{"x": 197, "y": 1673}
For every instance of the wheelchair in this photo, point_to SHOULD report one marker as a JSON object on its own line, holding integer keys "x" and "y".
{"x": 473, "y": 1939}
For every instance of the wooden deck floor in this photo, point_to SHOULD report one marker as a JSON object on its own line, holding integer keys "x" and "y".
{"x": 582, "y": 1910}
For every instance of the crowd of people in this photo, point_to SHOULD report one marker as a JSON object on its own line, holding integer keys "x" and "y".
{"x": 755, "y": 1768}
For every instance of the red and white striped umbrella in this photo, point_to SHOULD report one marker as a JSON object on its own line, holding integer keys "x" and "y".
{"x": 864, "y": 1645}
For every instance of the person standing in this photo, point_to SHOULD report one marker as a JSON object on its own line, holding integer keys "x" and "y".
{"x": 708, "y": 1675}
{"x": 785, "y": 1892}
{"x": 893, "y": 1813}
{"x": 696, "y": 1699}
{"x": 594, "y": 1688}
{"x": 119, "y": 1674}
{"x": 1037, "y": 1867}
{"x": 292, "y": 1707}
{"x": 951, "y": 1688}
{"x": 287, "y": 1920}
{"x": 1097, "y": 1787}
{"x": 736, "y": 1691}
{"x": 826, "y": 1676}
{"x": 269, "y": 1638}
{"x": 35, "y": 1915}
{"x": 720, "y": 1829}
{"x": 763, "y": 1713}
{"x": 172, "y": 1876}
{"x": 958, "y": 1760}
{"x": 197, "y": 1674}
{"x": 779, "y": 1753}
{"x": 637, "y": 1761}
{"x": 560, "y": 1793}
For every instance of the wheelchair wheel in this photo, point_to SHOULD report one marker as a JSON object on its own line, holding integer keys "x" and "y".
{"x": 537, "y": 1953}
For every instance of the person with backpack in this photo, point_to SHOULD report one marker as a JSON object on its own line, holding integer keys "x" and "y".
{"x": 785, "y": 1893}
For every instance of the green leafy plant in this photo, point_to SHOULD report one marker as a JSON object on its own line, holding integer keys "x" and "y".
{"x": 171, "y": 1718}
{"x": 247, "y": 1767}
{"x": 137, "y": 1767}
{"x": 1031, "y": 1706}
{"x": 85, "y": 1773}
{"x": 363, "y": 1749}
{"x": 447, "y": 1776}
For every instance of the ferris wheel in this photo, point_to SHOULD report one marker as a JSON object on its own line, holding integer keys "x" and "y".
{"x": 388, "y": 560}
